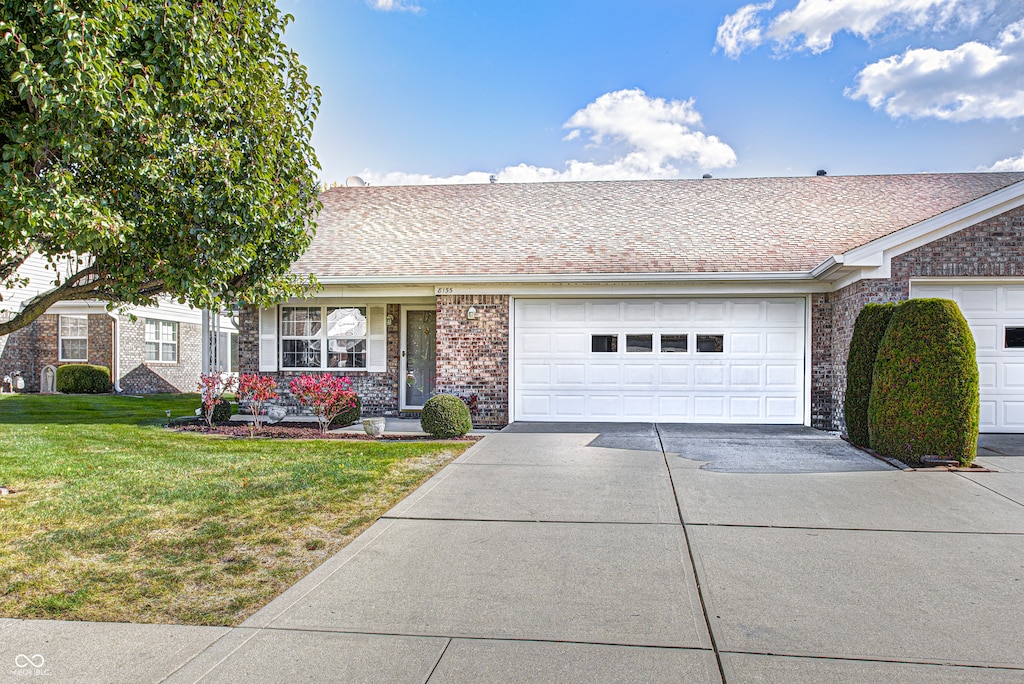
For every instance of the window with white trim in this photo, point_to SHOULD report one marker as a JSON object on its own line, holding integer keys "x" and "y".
{"x": 73, "y": 342}
{"x": 324, "y": 337}
{"x": 161, "y": 341}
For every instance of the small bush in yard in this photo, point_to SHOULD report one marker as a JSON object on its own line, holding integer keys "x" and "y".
{"x": 83, "y": 378}
{"x": 445, "y": 415}
{"x": 257, "y": 390}
{"x": 325, "y": 395}
{"x": 868, "y": 330}
{"x": 211, "y": 388}
{"x": 348, "y": 416}
{"x": 924, "y": 397}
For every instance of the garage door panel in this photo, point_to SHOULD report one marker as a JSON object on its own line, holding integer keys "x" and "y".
{"x": 987, "y": 375}
{"x": 602, "y": 312}
{"x": 605, "y": 406}
{"x": 675, "y": 375}
{"x": 986, "y": 337}
{"x": 555, "y": 358}
{"x": 1013, "y": 414}
{"x": 779, "y": 376}
{"x": 1013, "y": 375}
{"x": 979, "y": 299}
{"x": 570, "y": 374}
{"x": 1014, "y": 301}
{"x": 745, "y": 343}
{"x": 987, "y": 415}
{"x": 745, "y": 313}
{"x": 745, "y": 409}
{"x": 604, "y": 375}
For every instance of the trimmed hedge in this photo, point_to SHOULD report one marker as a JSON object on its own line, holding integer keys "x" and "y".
{"x": 222, "y": 411}
{"x": 83, "y": 378}
{"x": 445, "y": 416}
{"x": 350, "y": 417}
{"x": 924, "y": 397}
{"x": 868, "y": 330}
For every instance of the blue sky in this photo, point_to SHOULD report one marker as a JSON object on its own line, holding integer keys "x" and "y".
{"x": 424, "y": 91}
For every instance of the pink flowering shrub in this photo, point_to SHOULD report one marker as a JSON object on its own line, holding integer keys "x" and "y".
{"x": 211, "y": 388}
{"x": 257, "y": 390}
{"x": 325, "y": 395}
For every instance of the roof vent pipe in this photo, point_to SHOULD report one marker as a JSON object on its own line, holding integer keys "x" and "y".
{"x": 706, "y": 175}
{"x": 822, "y": 172}
{"x": 493, "y": 179}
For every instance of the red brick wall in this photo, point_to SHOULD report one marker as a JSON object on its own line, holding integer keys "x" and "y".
{"x": 473, "y": 355}
{"x": 139, "y": 376}
{"x": 992, "y": 248}
{"x": 378, "y": 392}
{"x": 35, "y": 346}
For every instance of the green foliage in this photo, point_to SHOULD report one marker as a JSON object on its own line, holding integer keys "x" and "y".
{"x": 868, "y": 330}
{"x": 83, "y": 378}
{"x": 348, "y": 416}
{"x": 445, "y": 415}
{"x": 154, "y": 146}
{"x": 222, "y": 411}
{"x": 924, "y": 398}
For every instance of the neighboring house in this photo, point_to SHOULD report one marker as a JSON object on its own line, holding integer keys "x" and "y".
{"x": 160, "y": 351}
{"x": 680, "y": 300}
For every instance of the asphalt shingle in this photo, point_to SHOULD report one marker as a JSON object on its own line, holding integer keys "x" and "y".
{"x": 657, "y": 227}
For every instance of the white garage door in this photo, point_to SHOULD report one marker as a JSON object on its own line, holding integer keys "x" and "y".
{"x": 735, "y": 360}
{"x": 995, "y": 313}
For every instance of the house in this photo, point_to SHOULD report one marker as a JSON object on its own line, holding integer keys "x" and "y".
{"x": 147, "y": 349}
{"x": 712, "y": 300}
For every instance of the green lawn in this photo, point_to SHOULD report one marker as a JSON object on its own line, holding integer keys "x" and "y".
{"x": 116, "y": 518}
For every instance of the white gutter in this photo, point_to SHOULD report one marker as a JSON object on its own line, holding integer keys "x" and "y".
{"x": 565, "y": 278}
{"x": 115, "y": 352}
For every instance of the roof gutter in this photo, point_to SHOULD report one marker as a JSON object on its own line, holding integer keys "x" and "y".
{"x": 566, "y": 278}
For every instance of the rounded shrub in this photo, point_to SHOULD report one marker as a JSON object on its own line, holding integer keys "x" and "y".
{"x": 868, "y": 330}
{"x": 83, "y": 378}
{"x": 924, "y": 396}
{"x": 445, "y": 415}
{"x": 222, "y": 411}
{"x": 349, "y": 417}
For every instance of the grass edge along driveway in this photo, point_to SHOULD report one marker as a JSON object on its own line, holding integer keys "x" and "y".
{"x": 115, "y": 518}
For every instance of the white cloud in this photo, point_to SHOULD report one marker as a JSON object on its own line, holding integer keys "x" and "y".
{"x": 1008, "y": 164}
{"x": 653, "y": 136}
{"x": 971, "y": 81}
{"x": 812, "y": 24}
{"x": 395, "y": 6}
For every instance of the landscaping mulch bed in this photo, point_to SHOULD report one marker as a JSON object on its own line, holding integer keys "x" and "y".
{"x": 306, "y": 432}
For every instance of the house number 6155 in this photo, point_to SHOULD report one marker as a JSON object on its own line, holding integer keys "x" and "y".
{"x": 445, "y": 290}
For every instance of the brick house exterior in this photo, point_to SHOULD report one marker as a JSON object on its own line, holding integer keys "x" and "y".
{"x": 116, "y": 341}
{"x": 482, "y": 256}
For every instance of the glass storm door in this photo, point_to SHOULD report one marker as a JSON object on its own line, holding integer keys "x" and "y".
{"x": 419, "y": 356}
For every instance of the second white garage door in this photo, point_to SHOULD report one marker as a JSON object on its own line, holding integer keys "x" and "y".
{"x": 734, "y": 360}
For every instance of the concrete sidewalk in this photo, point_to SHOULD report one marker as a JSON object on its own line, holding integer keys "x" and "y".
{"x": 570, "y": 554}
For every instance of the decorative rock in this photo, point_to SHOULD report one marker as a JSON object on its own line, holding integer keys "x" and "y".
{"x": 374, "y": 427}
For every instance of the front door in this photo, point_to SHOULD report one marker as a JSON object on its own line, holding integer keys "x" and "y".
{"x": 419, "y": 356}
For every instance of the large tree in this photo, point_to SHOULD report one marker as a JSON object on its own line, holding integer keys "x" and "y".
{"x": 153, "y": 147}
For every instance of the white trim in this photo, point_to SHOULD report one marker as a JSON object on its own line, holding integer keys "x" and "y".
{"x": 808, "y": 352}
{"x": 61, "y": 338}
{"x": 875, "y": 257}
{"x": 504, "y": 278}
{"x": 403, "y": 405}
{"x": 510, "y": 361}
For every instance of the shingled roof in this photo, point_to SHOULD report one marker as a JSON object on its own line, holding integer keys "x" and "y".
{"x": 622, "y": 227}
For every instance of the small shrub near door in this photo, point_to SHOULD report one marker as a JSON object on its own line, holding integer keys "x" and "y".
{"x": 868, "y": 330}
{"x": 445, "y": 416}
{"x": 924, "y": 397}
{"x": 326, "y": 395}
{"x": 82, "y": 378}
{"x": 349, "y": 416}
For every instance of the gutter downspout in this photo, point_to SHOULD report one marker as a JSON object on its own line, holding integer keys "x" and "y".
{"x": 115, "y": 353}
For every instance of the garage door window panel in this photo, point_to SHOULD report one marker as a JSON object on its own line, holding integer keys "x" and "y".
{"x": 604, "y": 344}
{"x": 639, "y": 344}
{"x": 1014, "y": 337}
{"x": 674, "y": 344}
{"x": 710, "y": 344}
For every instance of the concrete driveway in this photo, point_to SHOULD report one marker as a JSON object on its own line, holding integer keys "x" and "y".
{"x": 642, "y": 553}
